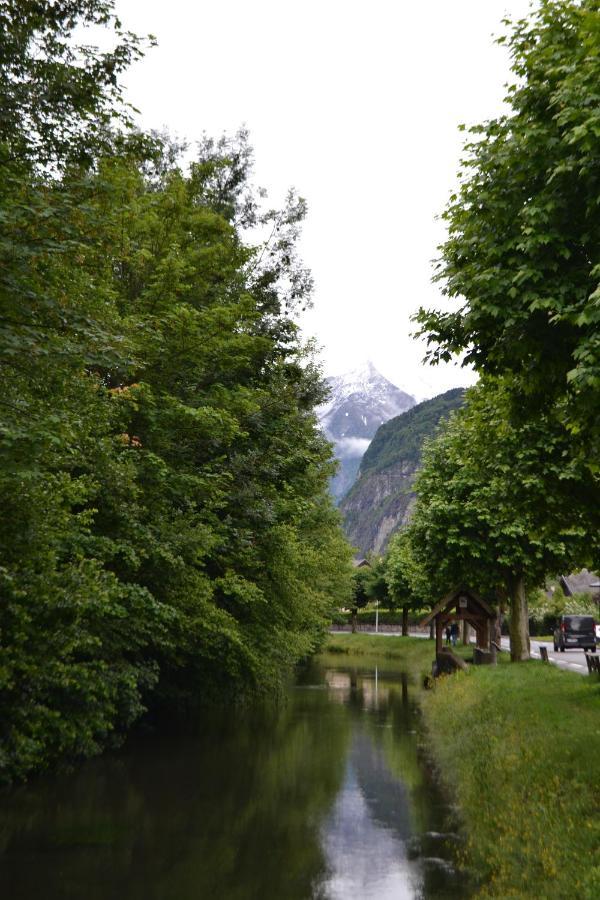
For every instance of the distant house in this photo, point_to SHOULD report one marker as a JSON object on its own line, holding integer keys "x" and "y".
{"x": 361, "y": 563}
{"x": 583, "y": 582}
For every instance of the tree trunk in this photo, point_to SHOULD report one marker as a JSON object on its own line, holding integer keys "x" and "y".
{"x": 353, "y": 620}
{"x": 519, "y": 621}
{"x": 496, "y": 623}
{"x": 432, "y": 630}
{"x": 405, "y": 621}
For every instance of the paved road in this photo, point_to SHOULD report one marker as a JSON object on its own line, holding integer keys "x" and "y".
{"x": 572, "y": 660}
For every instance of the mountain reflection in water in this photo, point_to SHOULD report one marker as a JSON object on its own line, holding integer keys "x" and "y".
{"x": 357, "y": 839}
{"x": 321, "y": 798}
{"x": 387, "y": 811}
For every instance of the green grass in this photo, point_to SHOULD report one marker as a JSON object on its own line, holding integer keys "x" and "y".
{"x": 390, "y": 652}
{"x": 404, "y": 649}
{"x": 518, "y": 746}
{"x": 386, "y": 646}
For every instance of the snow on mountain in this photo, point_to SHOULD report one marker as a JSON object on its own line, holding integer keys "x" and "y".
{"x": 360, "y": 401}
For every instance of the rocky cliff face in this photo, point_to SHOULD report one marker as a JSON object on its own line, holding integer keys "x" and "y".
{"x": 360, "y": 401}
{"x": 377, "y": 507}
{"x": 381, "y": 499}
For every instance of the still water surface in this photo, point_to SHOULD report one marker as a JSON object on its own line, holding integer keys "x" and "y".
{"x": 325, "y": 798}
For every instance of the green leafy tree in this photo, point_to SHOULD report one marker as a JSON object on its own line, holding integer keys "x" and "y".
{"x": 491, "y": 504}
{"x": 377, "y": 586}
{"x": 408, "y": 584}
{"x": 369, "y": 586}
{"x": 60, "y": 97}
{"x": 219, "y": 415}
{"x": 168, "y": 533}
{"x": 72, "y": 672}
{"x": 521, "y": 256}
{"x": 361, "y": 579}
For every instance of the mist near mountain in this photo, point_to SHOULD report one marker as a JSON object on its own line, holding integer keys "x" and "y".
{"x": 360, "y": 402}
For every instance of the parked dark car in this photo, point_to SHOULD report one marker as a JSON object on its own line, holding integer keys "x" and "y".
{"x": 575, "y": 633}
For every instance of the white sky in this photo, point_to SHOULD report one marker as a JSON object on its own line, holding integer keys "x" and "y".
{"x": 357, "y": 106}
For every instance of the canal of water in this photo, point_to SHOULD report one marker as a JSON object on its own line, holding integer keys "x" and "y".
{"x": 325, "y": 797}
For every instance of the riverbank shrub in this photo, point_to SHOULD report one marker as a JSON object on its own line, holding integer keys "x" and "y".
{"x": 516, "y": 747}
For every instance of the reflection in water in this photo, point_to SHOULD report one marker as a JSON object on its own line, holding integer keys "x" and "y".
{"x": 365, "y": 835}
{"x": 387, "y": 835}
{"x": 324, "y": 798}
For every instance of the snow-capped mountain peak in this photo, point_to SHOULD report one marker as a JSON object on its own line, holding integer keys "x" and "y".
{"x": 364, "y": 379}
{"x": 360, "y": 401}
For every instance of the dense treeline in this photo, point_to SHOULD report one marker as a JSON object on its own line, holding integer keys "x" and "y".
{"x": 167, "y": 533}
{"x": 510, "y": 493}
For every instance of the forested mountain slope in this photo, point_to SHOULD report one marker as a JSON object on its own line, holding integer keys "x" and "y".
{"x": 381, "y": 499}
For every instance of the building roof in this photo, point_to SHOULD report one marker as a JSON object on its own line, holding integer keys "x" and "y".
{"x": 582, "y": 582}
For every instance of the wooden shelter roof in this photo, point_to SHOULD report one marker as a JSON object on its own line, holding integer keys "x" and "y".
{"x": 451, "y": 598}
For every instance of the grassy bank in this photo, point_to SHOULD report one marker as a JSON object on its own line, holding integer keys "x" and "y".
{"x": 407, "y": 649}
{"x": 407, "y": 653}
{"x": 390, "y": 653}
{"x": 518, "y": 747}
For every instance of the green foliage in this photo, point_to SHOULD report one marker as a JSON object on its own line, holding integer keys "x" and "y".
{"x": 167, "y": 532}
{"x": 60, "y": 98}
{"x": 361, "y": 582}
{"x": 492, "y": 495}
{"x": 407, "y": 581}
{"x": 369, "y": 584}
{"x": 521, "y": 256}
{"x": 377, "y": 585}
{"x": 543, "y": 607}
{"x": 521, "y": 262}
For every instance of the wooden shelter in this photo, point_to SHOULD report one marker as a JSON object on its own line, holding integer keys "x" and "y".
{"x": 462, "y": 605}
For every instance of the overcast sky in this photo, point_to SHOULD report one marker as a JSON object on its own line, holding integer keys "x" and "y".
{"x": 356, "y": 105}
